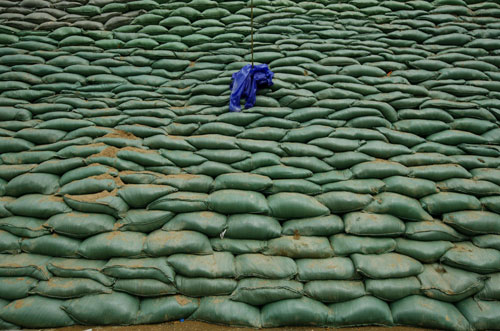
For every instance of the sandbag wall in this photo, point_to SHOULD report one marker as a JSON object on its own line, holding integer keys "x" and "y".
{"x": 363, "y": 189}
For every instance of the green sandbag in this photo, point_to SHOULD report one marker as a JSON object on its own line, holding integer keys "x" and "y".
{"x": 52, "y": 245}
{"x": 202, "y": 287}
{"x": 341, "y": 202}
{"x": 491, "y": 289}
{"x": 283, "y": 172}
{"x": 299, "y": 247}
{"x": 9, "y": 144}
{"x": 85, "y": 172}
{"x": 366, "y": 310}
{"x": 262, "y": 266}
{"x": 362, "y": 186}
{"x": 249, "y": 182}
{"x": 164, "y": 243}
{"x": 334, "y": 290}
{"x": 13, "y": 288}
{"x": 257, "y": 291}
{"x": 482, "y": 315}
{"x": 315, "y": 226}
{"x": 492, "y": 203}
{"x": 3, "y": 202}
{"x": 399, "y": 206}
{"x": 427, "y": 252}
{"x": 248, "y": 226}
{"x": 144, "y": 268}
{"x": 389, "y": 265}
{"x": 469, "y": 257}
{"x": 139, "y": 196}
{"x": 449, "y": 284}
{"x": 382, "y": 149}
{"x": 238, "y": 246}
{"x": 416, "y": 310}
{"x": 30, "y": 265}
{"x": 79, "y": 268}
{"x": 294, "y": 185}
{"x": 378, "y": 169}
{"x": 412, "y": 187}
{"x": 144, "y": 287}
{"x": 104, "y": 202}
{"x": 163, "y": 309}
{"x": 37, "y": 205}
{"x": 217, "y": 265}
{"x": 59, "y": 167}
{"x": 295, "y": 205}
{"x": 9, "y": 243}
{"x": 103, "y": 309}
{"x": 303, "y": 311}
{"x": 394, "y": 288}
{"x": 7, "y": 172}
{"x": 439, "y": 172}
{"x": 222, "y": 310}
{"x": 474, "y": 222}
{"x": 23, "y": 226}
{"x": 366, "y": 224}
{"x": 344, "y": 244}
{"x": 238, "y": 202}
{"x": 143, "y": 220}
{"x": 112, "y": 244}
{"x": 447, "y": 202}
{"x": 67, "y": 288}
{"x": 36, "y": 312}
{"x": 181, "y": 202}
{"x": 80, "y": 225}
{"x": 432, "y": 230}
{"x": 468, "y": 186}
{"x": 335, "y": 268}
{"x": 487, "y": 241}
{"x": 209, "y": 223}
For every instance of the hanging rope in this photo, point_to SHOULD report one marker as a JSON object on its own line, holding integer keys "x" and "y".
{"x": 251, "y": 24}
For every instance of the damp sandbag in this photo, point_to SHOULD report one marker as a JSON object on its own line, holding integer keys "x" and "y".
{"x": 416, "y": 310}
{"x": 27, "y": 265}
{"x": 68, "y": 288}
{"x": 314, "y": 226}
{"x": 294, "y": 312}
{"x": 103, "y": 202}
{"x": 113, "y": 244}
{"x": 469, "y": 257}
{"x": 13, "y": 288}
{"x": 167, "y": 308}
{"x": 103, "y": 309}
{"x": 79, "y": 268}
{"x": 181, "y": 202}
{"x": 431, "y": 231}
{"x": 334, "y": 268}
{"x": 393, "y": 289}
{"x": 201, "y": 287}
{"x": 144, "y": 287}
{"x": 51, "y": 245}
{"x": 482, "y": 315}
{"x": 139, "y": 196}
{"x": 263, "y": 266}
{"x": 389, "y": 265}
{"x": 217, "y": 265}
{"x": 295, "y": 205}
{"x": 222, "y": 310}
{"x": 449, "y": 284}
{"x": 344, "y": 244}
{"x": 164, "y": 243}
{"x": 447, "y": 202}
{"x": 144, "y": 268}
{"x": 245, "y": 181}
{"x": 424, "y": 251}
{"x": 36, "y": 312}
{"x": 398, "y": 205}
{"x": 367, "y": 224}
{"x": 257, "y": 291}
{"x": 209, "y": 223}
{"x": 80, "y": 225}
{"x": 142, "y": 220}
{"x": 474, "y": 222}
{"x": 341, "y": 202}
{"x": 238, "y": 202}
{"x": 37, "y": 205}
{"x": 299, "y": 247}
{"x": 365, "y": 310}
{"x": 334, "y": 290}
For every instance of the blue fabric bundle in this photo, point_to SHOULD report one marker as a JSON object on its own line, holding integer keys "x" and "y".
{"x": 245, "y": 84}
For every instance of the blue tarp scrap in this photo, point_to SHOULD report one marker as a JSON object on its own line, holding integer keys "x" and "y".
{"x": 245, "y": 84}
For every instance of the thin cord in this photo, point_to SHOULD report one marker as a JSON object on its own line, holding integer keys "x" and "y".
{"x": 251, "y": 23}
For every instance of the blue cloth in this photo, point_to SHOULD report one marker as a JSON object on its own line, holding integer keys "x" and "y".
{"x": 245, "y": 84}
